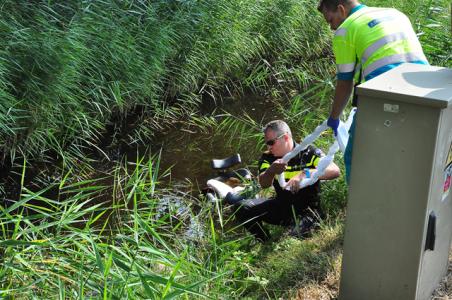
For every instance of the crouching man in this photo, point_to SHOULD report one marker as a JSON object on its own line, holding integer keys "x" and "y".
{"x": 294, "y": 207}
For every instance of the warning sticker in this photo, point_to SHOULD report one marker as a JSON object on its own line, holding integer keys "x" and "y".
{"x": 447, "y": 174}
{"x": 449, "y": 156}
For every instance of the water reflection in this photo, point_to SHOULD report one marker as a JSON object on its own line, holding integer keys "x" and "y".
{"x": 187, "y": 153}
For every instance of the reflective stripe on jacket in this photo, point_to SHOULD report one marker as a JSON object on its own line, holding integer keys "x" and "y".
{"x": 373, "y": 38}
{"x": 308, "y": 158}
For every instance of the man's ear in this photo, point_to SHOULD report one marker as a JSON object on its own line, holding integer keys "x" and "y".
{"x": 342, "y": 11}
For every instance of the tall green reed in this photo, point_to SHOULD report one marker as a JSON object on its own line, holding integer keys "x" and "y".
{"x": 70, "y": 69}
{"x": 83, "y": 237}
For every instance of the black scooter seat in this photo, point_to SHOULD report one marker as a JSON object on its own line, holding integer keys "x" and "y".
{"x": 225, "y": 163}
{"x": 241, "y": 174}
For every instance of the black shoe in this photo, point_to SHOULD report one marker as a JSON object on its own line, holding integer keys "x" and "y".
{"x": 232, "y": 198}
{"x": 305, "y": 227}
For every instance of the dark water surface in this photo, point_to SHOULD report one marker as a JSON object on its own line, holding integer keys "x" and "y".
{"x": 187, "y": 153}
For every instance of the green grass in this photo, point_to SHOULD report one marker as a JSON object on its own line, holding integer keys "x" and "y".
{"x": 121, "y": 235}
{"x": 292, "y": 264}
{"x": 126, "y": 240}
{"x": 67, "y": 71}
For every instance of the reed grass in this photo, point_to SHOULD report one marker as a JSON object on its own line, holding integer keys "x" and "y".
{"x": 69, "y": 70}
{"x": 91, "y": 240}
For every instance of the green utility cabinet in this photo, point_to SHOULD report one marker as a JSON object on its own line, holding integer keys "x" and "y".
{"x": 399, "y": 215}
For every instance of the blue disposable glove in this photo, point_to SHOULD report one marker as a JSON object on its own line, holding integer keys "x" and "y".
{"x": 334, "y": 124}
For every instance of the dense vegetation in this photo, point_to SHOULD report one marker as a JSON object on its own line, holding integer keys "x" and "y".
{"x": 76, "y": 77}
{"x": 70, "y": 69}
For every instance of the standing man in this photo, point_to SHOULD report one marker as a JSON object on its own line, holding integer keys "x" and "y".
{"x": 299, "y": 207}
{"x": 368, "y": 41}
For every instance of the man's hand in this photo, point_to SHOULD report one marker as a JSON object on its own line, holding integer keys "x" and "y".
{"x": 294, "y": 184}
{"x": 333, "y": 123}
{"x": 266, "y": 178}
{"x": 278, "y": 166}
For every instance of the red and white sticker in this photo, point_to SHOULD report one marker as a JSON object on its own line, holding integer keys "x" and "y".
{"x": 447, "y": 174}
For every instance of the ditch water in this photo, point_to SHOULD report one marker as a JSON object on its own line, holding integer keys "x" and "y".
{"x": 187, "y": 153}
{"x": 184, "y": 161}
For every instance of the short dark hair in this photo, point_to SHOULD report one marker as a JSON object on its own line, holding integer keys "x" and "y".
{"x": 331, "y": 5}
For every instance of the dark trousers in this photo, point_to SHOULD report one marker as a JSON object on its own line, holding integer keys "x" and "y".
{"x": 278, "y": 211}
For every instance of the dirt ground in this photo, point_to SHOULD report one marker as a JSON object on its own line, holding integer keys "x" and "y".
{"x": 328, "y": 289}
{"x": 444, "y": 291}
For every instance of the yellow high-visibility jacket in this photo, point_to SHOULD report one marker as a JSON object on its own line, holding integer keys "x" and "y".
{"x": 373, "y": 40}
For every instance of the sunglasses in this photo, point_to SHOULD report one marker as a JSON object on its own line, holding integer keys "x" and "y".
{"x": 273, "y": 141}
